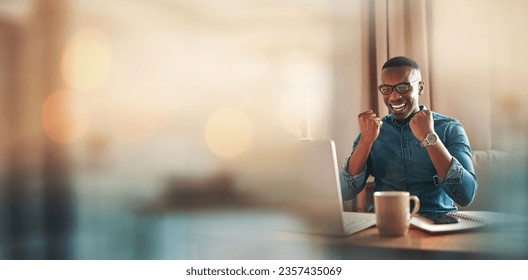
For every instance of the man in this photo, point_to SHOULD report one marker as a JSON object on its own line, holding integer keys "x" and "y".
{"x": 412, "y": 149}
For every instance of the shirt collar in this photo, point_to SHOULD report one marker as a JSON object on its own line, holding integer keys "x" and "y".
{"x": 396, "y": 123}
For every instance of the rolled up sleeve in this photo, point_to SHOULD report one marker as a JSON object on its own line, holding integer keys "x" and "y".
{"x": 351, "y": 185}
{"x": 461, "y": 182}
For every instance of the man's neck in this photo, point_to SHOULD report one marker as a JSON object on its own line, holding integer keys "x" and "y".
{"x": 408, "y": 119}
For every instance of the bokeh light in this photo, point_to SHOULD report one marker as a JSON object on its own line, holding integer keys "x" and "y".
{"x": 87, "y": 59}
{"x": 65, "y": 116}
{"x": 228, "y": 133}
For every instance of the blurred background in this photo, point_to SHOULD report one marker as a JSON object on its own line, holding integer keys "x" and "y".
{"x": 115, "y": 113}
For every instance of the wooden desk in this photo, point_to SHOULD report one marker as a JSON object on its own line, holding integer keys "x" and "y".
{"x": 483, "y": 244}
{"x": 247, "y": 236}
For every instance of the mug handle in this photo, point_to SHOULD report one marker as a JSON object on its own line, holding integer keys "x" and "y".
{"x": 416, "y": 205}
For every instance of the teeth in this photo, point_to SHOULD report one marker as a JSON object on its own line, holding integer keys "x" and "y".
{"x": 398, "y": 107}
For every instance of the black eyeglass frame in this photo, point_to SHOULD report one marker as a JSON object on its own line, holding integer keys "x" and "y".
{"x": 395, "y": 87}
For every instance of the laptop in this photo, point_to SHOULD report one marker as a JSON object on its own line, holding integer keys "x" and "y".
{"x": 318, "y": 197}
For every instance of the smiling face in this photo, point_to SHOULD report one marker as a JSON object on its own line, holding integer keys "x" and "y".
{"x": 401, "y": 106}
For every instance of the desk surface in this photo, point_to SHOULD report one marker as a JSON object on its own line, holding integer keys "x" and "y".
{"x": 243, "y": 236}
{"x": 487, "y": 244}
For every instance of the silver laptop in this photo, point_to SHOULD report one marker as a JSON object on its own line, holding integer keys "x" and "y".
{"x": 317, "y": 185}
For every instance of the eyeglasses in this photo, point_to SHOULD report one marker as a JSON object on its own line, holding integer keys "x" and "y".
{"x": 400, "y": 88}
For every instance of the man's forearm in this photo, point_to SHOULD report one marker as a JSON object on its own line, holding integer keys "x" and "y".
{"x": 441, "y": 158}
{"x": 358, "y": 159}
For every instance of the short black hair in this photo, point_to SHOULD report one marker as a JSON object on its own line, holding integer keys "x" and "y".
{"x": 400, "y": 61}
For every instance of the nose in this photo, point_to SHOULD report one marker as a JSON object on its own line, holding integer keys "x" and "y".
{"x": 394, "y": 95}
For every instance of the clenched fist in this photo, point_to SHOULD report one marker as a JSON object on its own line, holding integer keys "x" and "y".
{"x": 422, "y": 124}
{"x": 369, "y": 125}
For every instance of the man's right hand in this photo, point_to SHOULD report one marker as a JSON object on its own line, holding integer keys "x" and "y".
{"x": 370, "y": 126}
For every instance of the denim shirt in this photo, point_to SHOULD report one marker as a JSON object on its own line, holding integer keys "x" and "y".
{"x": 399, "y": 163}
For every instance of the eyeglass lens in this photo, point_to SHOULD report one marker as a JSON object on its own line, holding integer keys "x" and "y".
{"x": 400, "y": 88}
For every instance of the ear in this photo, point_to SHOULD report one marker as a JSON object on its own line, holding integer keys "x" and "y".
{"x": 421, "y": 88}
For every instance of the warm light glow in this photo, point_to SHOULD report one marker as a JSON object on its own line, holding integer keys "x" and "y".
{"x": 136, "y": 116}
{"x": 86, "y": 60}
{"x": 296, "y": 113}
{"x": 228, "y": 133}
{"x": 65, "y": 116}
{"x": 304, "y": 87}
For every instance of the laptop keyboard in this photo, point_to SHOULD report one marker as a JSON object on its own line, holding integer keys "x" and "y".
{"x": 355, "y": 224}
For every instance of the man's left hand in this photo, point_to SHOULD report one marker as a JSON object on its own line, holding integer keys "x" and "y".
{"x": 422, "y": 124}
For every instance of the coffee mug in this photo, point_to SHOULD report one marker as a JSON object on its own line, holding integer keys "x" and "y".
{"x": 393, "y": 213}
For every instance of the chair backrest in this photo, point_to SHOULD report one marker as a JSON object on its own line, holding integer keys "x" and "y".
{"x": 502, "y": 181}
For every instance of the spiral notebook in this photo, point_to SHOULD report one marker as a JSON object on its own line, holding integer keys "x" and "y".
{"x": 471, "y": 220}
